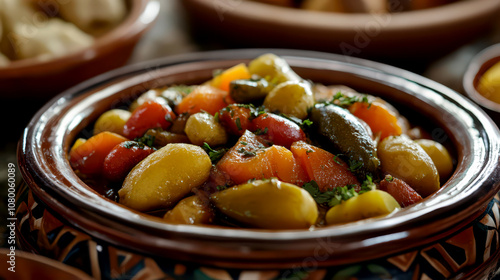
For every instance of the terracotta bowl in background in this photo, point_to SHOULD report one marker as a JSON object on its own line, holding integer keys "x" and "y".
{"x": 410, "y": 36}
{"x": 43, "y": 79}
{"x": 477, "y": 67}
{"x": 452, "y": 232}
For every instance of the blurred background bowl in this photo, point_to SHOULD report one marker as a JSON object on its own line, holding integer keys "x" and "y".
{"x": 38, "y": 79}
{"x": 409, "y": 36}
{"x": 477, "y": 67}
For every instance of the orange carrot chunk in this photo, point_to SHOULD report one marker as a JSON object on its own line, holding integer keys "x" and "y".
{"x": 380, "y": 118}
{"x": 328, "y": 170}
{"x": 250, "y": 158}
{"x": 88, "y": 158}
{"x": 238, "y": 72}
{"x": 204, "y": 98}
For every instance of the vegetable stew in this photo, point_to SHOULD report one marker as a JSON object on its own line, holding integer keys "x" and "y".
{"x": 257, "y": 146}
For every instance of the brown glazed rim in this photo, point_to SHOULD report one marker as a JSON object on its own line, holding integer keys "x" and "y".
{"x": 44, "y": 166}
{"x": 142, "y": 13}
{"x": 476, "y": 69}
{"x": 426, "y": 19}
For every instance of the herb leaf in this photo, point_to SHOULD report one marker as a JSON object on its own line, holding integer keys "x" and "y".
{"x": 343, "y": 100}
{"x": 368, "y": 185}
{"x": 332, "y": 197}
{"x": 215, "y": 155}
{"x": 148, "y": 140}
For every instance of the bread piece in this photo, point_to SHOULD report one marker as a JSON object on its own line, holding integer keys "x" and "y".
{"x": 93, "y": 16}
{"x": 55, "y": 38}
{"x": 4, "y": 61}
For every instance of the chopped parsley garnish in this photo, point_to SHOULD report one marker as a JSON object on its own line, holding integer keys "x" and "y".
{"x": 306, "y": 123}
{"x": 355, "y": 165}
{"x": 183, "y": 89}
{"x": 256, "y": 112}
{"x": 309, "y": 151}
{"x": 131, "y": 144}
{"x": 261, "y": 131}
{"x": 332, "y": 197}
{"x": 335, "y": 158}
{"x": 238, "y": 123}
{"x": 215, "y": 155}
{"x": 343, "y": 100}
{"x": 246, "y": 153}
{"x": 222, "y": 187}
{"x": 368, "y": 185}
{"x": 148, "y": 140}
{"x": 243, "y": 143}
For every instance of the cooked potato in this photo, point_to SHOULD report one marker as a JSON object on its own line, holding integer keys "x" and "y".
{"x": 405, "y": 159}
{"x": 273, "y": 68}
{"x": 439, "y": 155}
{"x": 191, "y": 211}
{"x": 112, "y": 120}
{"x": 269, "y": 204}
{"x": 291, "y": 98}
{"x": 165, "y": 177}
{"x": 367, "y": 205}
{"x": 202, "y": 127}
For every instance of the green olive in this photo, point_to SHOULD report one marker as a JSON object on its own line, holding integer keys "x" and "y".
{"x": 246, "y": 91}
{"x": 405, "y": 159}
{"x": 203, "y": 128}
{"x": 439, "y": 155}
{"x": 343, "y": 133}
{"x": 292, "y": 98}
{"x": 112, "y": 121}
{"x": 268, "y": 204}
{"x": 273, "y": 68}
{"x": 367, "y": 205}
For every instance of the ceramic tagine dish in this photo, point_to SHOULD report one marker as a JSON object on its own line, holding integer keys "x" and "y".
{"x": 262, "y": 164}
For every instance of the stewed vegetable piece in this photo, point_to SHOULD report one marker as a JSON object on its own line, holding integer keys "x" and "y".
{"x": 258, "y": 146}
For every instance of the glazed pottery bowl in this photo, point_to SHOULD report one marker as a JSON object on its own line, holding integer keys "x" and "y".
{"x": 452, "y": 232}
{"x": 477, "y": 67}
{"x": 42, "y": 79}
{"x": 410, "y": 36}
{"x": 27, "y": 266}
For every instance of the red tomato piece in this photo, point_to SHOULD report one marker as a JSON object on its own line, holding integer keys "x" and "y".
{"x": 278, "y": 130}
{"x": 123, "y": 158}
{"x": 404, "y": 194}
{"x": 88, "y": 157}
{"x": 151, "y": 114}
{"x": 328, "y": 170}
{"x": 235, "y": 118}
